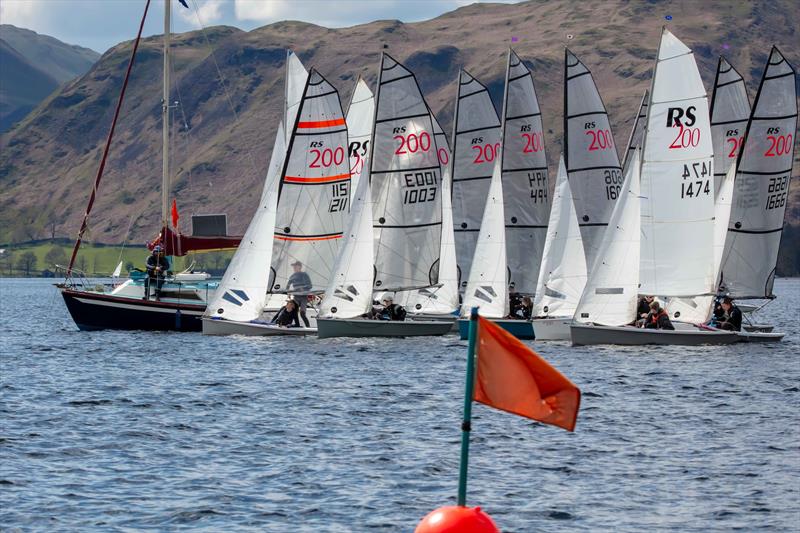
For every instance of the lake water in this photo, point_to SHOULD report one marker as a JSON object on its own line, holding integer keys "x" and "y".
{"x": 160, "y": 431}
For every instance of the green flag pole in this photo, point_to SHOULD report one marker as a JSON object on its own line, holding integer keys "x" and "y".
{"x": 466, "y": 423}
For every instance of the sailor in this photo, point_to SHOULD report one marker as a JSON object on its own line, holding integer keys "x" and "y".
{"x": 732, "y": 318}
{"x": 300, "y": 283}
{"x": 643, "y": 308}
{"x": 390, "y": 310}
{"x": 514, "y": 300}
{"x": 157, "y": 266}
{"x": 524, "y": 309}
{"x": 287, "y": 316}
{"x": 657, "y": 318}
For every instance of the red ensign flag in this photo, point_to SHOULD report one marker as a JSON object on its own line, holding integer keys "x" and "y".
{"x": 512, "y": 377}
{"x": 175, "y": 214}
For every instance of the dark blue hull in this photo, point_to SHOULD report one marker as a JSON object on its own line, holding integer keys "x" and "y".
{"x": 521, "y": 329}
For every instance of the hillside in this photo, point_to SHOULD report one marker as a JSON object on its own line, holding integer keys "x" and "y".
{"x": 31, "y": 67}
{"x": 48, "y": 162}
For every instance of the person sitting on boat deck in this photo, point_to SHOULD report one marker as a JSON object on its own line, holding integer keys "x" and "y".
{"x": 643, "y": 309}
{"x": 524, "y": 309}
{"x": 514, "y": 300}
{"x": 300, "y": 283}
{"x": 287, "y": 316}
{"x": 157, "y": 266}
{"x": 390, "y": 310}
{"x": 657, "y": 318}
{"x": 732, "y": 319}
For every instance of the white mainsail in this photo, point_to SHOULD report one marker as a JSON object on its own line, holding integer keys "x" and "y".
{"x": 406, "y": 184}
{"x": 476, "y": 144}
{"x": 314, "y": 190}
{"x": 730, "y": 109}
{"x": 349, "y": 293}
{"x": 242, "y": 293}
{"x": 612, "y": 287}
{"x": 590, "y": 154}
{"x": 487, "y": 284}
{"x": 525, "y": 187}
{"x": 562, "y": 276}
{"x": 764, "y": 169}
{"x": 360, "y": 115}
{"x": 637, "y": 132}
{"x": 677, "y": 179}
{"x": 296, "y": 78}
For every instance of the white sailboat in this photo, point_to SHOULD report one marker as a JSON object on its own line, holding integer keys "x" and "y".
{"x": 562, "y": 276}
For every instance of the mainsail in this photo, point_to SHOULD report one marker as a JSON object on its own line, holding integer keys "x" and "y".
{"x": 476, "y": 144}
{"x": 525, "y": 186}
{"x": 730, "y": 109}
{"x": 592, "y": 163}
{"x": 562, "y": 276}
{"x": 406, "y": 184}
{"x": 677, "y": 186}
{"x": 764, "y": 170}
{"x": 360, "y": 115}
{"x": 637, "y": 132}
{"x": 612, "y": 286}
{"x": 314, "y": 190}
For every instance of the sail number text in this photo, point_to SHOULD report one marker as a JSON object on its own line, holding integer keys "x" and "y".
{"x": 613, "y": 178}
{"x": 778, "y": 144}
{"x": 696, "y": 180}
{"x": 412, "y": 142}
{"x": 340, "y": 195}
{"x": 537, "y": 181}
{"x": 777, "y": 192}
{"x": 326, "y": 157}
{"x": 484, "y": 153}
{"x": 420, "y": 187}
{"x": 600, "y": 139}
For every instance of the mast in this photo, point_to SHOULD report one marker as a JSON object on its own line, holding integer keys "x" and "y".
{"x": 165, "y": 120}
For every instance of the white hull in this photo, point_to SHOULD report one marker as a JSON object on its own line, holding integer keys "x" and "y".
{"x": 552, "y": 329}
{"x": 253, "y": 329}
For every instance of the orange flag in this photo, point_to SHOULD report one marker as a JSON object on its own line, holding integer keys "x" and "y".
{"x": 512, "y": 377}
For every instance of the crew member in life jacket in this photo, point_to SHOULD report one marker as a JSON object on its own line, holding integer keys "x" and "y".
{"x": 732, "y": 317}
{"x": 643, "y": 309}
{"x": 390, "y": 310}
{"x": 287, "y": 316}
{"x": 514, "y": 301}
{"x": 657, "y": 318}
{"x": 300, "y": 283}
{"x": 524, "y": 309}
{"x": 157, "y": 266}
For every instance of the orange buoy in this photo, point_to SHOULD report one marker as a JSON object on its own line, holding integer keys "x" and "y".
{"x": 457, "y": 519}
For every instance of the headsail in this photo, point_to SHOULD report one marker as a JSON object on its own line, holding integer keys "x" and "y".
{"x": 764, "y": 171}
{"x": 406, "y": 184}
{"x": 525, "y": 186}
{"x": 730, "y": 109}
{"x": 476, "y": 144}
{"x": 562, "y": 276}
{"x": 637, "y": 132}
{"x": 677, "y": 252}
{"x": 314, "y": 193}
{"x": 612, "y": 286}
{"x": 296, "y": 78}
{"x": 242, "y": 293}
{"x": 595, "y": 175}
{"x": 360, "y": 115}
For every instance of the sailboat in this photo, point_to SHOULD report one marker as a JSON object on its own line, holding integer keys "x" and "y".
{"x": 676, "y": 247}
{"x": 183, "y": 295}
{"x": 300, "y": 221}
{"x": 402, "y": 198}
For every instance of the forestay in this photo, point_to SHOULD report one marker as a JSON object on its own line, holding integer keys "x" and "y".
{"x": 487, "y": 285}
{"x": 360, "y": 115}
{"x": 476, "y": 144}
{"x": 762, "y": 182}
{"x": 595, "y": 175}
{"x": 314, "y": 194}
{"x": 562, "y": 276}
{"x": 637, "y": 132}
{"x": 525, "y": 186}
{"x": 612, "y": 286}
{"x": 242, "y": 293}
{"x": 730, "y": 109}
{"x": 677, "y": 176}
{"x": 406, "y": 184}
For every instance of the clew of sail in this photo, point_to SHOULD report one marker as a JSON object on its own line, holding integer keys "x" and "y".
{"x": 592, "y": 163}
{"x": 314, "y": 192}
{"x": 677, "y": 179}
{"x": 562, "y": 276}
{"x": 612, "y": 287}
{"x": 476, "y": 144}
{"x": 242, "y": 293}
{"x": 525, "y": 186}
{"x": 730, "y": 109}
{"x": 405, "y": 179}
{"x": 764, "y": 171}
{"x": 360, "y": 115}
{"x": 637, "y": 132}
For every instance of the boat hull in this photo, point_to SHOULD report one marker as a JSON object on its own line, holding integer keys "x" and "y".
{"x": 435, "y": 317}
{"x": 360, "y": 327}
{"x": 96, "y": 311}
{"x": 521, "y": 329}
{"x": 552, "y": 329}
{"x": 254, "y": 329}
{"x": 760, "y": 336}
{"x": 586, "y": 335}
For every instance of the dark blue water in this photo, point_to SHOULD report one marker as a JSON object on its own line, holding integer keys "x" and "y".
{"x": 120, "y": 431}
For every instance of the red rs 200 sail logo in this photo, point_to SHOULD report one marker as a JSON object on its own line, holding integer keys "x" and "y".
{"x": 683, "y": 119}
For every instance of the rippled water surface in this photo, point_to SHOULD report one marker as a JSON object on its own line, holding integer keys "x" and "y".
{"x": 160, "y": 431}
